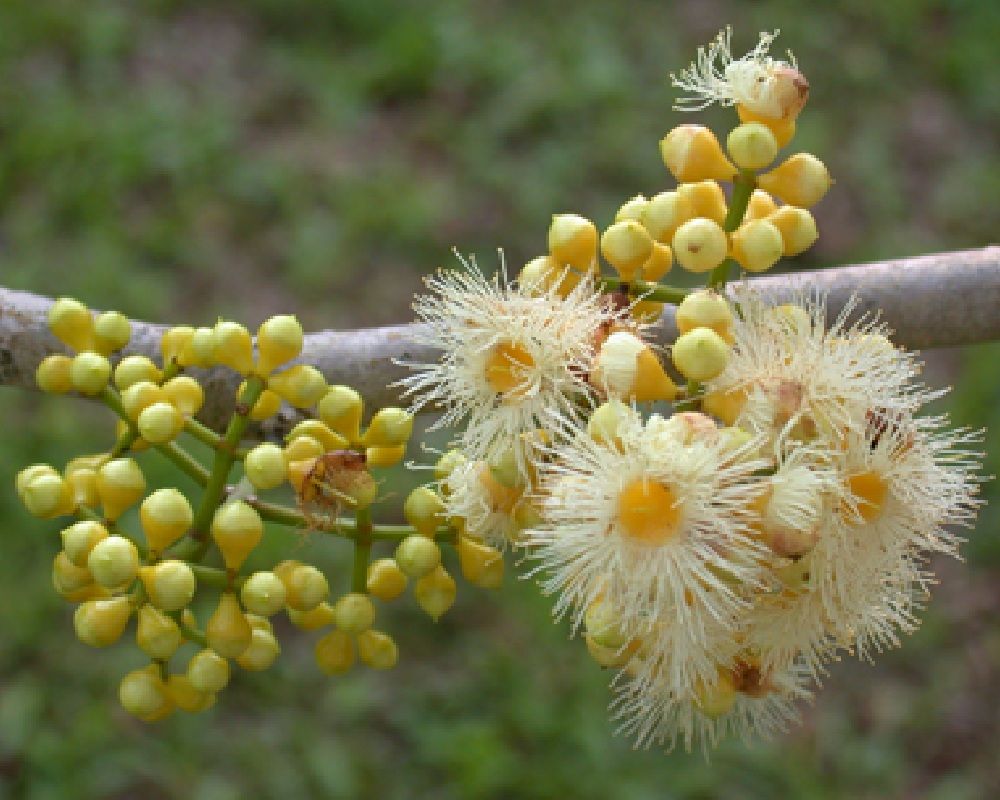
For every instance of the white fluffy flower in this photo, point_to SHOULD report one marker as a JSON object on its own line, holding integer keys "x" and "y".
{"x": 490, "y": 510}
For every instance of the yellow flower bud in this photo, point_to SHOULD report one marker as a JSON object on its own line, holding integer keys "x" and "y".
{"x": 706, "y": 199}
{"x": 481, "y": 564}
{"x": 28, "y": 474}
{"x": 386, "y": 580}
{"x": 607, "y": 422}
{"x": 647, "y": 311}
{"x": 265, "y": 466}
{"x": 263, "y": 593}
{"x": 384, "y": 457}
{"x": 72, "y": 324}
{"x": 607, "y": 656}
{"x": 233, "y": 346}
{"x": 335, "y": 653}
{"x": 627, "y": 368}
{"x": 99, "y": 623}
{"x": 752, "y": 145}
{"x": 390, "y": 427}
{"x": 321, "y": 616}
{"x": 169, "y": 584}
{"x": 801, "y": 180}
{"x": 783, "y": 129}
{"x": 68, "y": 577}
{"x": 417, "y": 556}
{"x": 660, "y": 260}
{"x": 757, "y": 245}
{"x": 301, "y": 385}
{"x": 761, "y": 206}
{"x": 208, "y": 671}
{"x": 112, "y": 330}
{"x": 279, "y": 339}
{"x": 237, "y": 529}
{"x": 114, "y": 561}
{"x": 538, "y": 275}
{"x": 320, "y": 432}
{"x": 377, "y": 650}
{"x": 715, "y": 699}
{"x": 260, "y": 653}
{"x": 627, "y": 246}
{"x": 435, "y": 592}
{"x": 268, "y": 404}
{"x": 159, "y": 423}
{"x": 166, "y": 516}
{"x": 48, "y": 495}
{"x": 199, "y": 349}
{"x": 692, "y": 153}
{"x": 705, "y": 308}
{"x": 632, "y": 209}
{"x": 186, "y": 697}
{"x": 700, "y": 354}
{"x": 83, "y": 485}
{"x": 143, "y": 694}
{"x": 354, "y": 613}
{"x": 174, "y": 341}
{"x": 140, "y": 396}
{"x": 727, "y": 406}
{"x": 305, "y": 586}
{"x": 573, "y": 241}
{"x": 700, "y": 244}
{"x": 133, "y": 369}
{"x": 797, "y": 228}
{"x": 79, "y": 539}
{"x": 447, "y": 464}
{"x": 424, "y": 510}
{"x": 341, "y": 408}
{"x": 603, "y": 625}
{"x": 227, "y": 630}
{"x": 664, "y": 214}
{"x": 157, "y": 635}
{"x": 185, "y": 394}
{"x": 302, "y": 448}
{"x": 54, "y": 374}
{"x": 89, "y": 372}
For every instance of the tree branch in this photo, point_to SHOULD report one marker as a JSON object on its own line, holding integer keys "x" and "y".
{"x": 935, "y": 300}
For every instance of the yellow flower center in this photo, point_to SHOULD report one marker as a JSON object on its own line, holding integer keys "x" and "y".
{"x": 870, "y": 489}
{"x": 506, "y": 365}
{"x": 648, "y": 512}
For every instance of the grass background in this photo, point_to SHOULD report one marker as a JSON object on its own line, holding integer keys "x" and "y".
{"x": 180, "y": 160}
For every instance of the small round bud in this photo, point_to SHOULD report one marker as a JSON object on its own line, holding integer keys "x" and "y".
{"x": 632, "y": 209}
{"x": 706, "y": 199}
{"x": 268, "y": 404}
{"x": 386, "y": 580}
{"x": 54, "y": 374}
{"x": 692, "y": 153}
{"x": 186, "y": 697}
{"x": 140, "y": 396}
{"x": 279, "y": 339}
{"x": 305, "y": 586}
{"x": 435, "y": 592}
{"x": 447, "y": 464}
{"x": 263, "y": 593}
{"x": 113, "y": 562}
{"x": 321, "y": 433}
{"x": 79, "y": 539}
{"x": 424, "y": 510}
{"x": 384, "y": 457}
{"x": 143, "y": 694}
{"x": 208, "y": 671}
{"x": 417, "y": 555}
{"x": 133, "y": 369}
{"x": 700, "y": 355}
{"x": 237, "y": 529}
{"x": 627, "y": 368}
{"x": 169, "y": 584}
{"x": 83, "y": 485}
{"x": 727, "y": 406}
{"x": 761, "y": 206}
{"x": 608, "y": 421}
{"x": 573, "y": 241}
{"x": 159, "y": 423}
{"x": 716, "y": 699}
{"x": 99, "y": 623}
{"x": 321, "y": 616}
{"x": 112, "y": 330}
{"x": 89, "y": 372}
{"x": 377, "y": 650}
{"x": 72, "y": 324}
{"x": 797, "y": 228}
{"x": 660, "y": 260}
{"x": 341, "y": 409}
{"x": 664, "y": 214}
{"x": 782, "y": 128}
{"x": 199, "y": 349}
{"x": 233, "y": 346}
{"x": 390, "y": 427}
{"x": 700, "y": 244}
{"x": 603, "y": 625}
{"x": 481, "y": 564}
{"x": 354, "y": 613}
{"x": 261, "y": 653}
{"x": 28, "y": 474}
{"x": 166, "y": 516}
{"x": 265, "y": 466}
{"x": 48, "y": 495}
{"x": 752, "y": 145}
{"x": 302, "y": 385}
{"x": 185, "y": 394}
{"x": 174, "y": 341}
{"x": 757, "y": 245}
{"x": 68, "y": 577}
{"x": 227, "y": 630}
{"x": 627, "y": 246}
{"x": 705, "y": 308}
{"x": 335, "y": 653}
{"x": 607, "y": 657}
{"x": 538, "y": 275}
{"x": 302, "y": 448}
{"x": 800, "y": 181}
{"x": 157, "y": 635}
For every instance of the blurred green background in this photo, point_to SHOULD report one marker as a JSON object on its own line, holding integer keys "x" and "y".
{"x": 180, "y": 160}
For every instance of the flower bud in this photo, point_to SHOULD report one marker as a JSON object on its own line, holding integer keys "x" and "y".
{"x": 159, "y": 423}
{"x": 302, "y": 385}
{"x": 320, "y": 432}
{"x": 797, "y": 228}
{"x": 335, "y": 653}
{"x": 305, "y": 586}
{"x": 133, "y": 369}
{"x": 384, "y": 457}
{"x": 386, "y": 580}
{"x": 68, "y": 577}
{"x": 143, "y": 694}
{"x": 112, "y": 330}
{"x": 83, "y": 486}
{"x": 377, "y": 650}
{"x": 801, "y": 181}
{"x": 706, "y": 199}
{"x": 417, "y": 556}
{"x": 660, "y": 260}
{"x": 627, "y": 368}
{"x": 700, "y": 244}
{"x": 664, "y": 214}
{"x": 761, "y": 206}
{"x": 260, "y": 653}
{"x": 99, "y": 623}
{"x": 186, "y": 697}
{"x": 603, "y": 625}
{"x": 573, "y": 241}
{"x": 705, "y": 308}
{"x": 169, "y": 584}
{"x": 140, "y": 396}
{"x": 265, "y": 466}
{"x": 752, "y": 145}
{"x": 341, "y": 408}
{"x": 632, "y": 209}
{"x": 268, "y": 404}
{"x": 538, "y": 275}
{"x": 783, "y": 129}
{"x": 227, "y": 630}
{"x": 435, "y": 592}
{"x": 120, "y": 484}
{"x": 302, "y": 448}
{"x": 89, "y": 372}
{"x": 157, "y": 635}
{"x": 447, "y": 464}
{"x": 646, "y": 311}
{"x": 726, "y": 405}
{"x": 72, "y": 324}
{"x": 607, "y": 657}
{"x": 185, "y": 394}
{"x": 174, "y": 341}
{"x": 114, "y": 561}
{"x": 424, "y": 510}
{"x": 321, "y": 616}
{"x": 28, "y": 474}
{"x": 54, "y": 374}
{"x": 263, "y": 593}
{"x": 79, "y": 539}
{"x": 757, "y": 245}
{"x": 237, "y": 529}
{"x": 279, "y": 339}
{"x": 390, "y": 427}
{"x": 608, "y": 421}
{"x": 700, "y": 355}
{"x": 233, "y": 346}
{"x": 715, "y": 699}
{"x": 166, "y": 516}
{"x": 48, "y": 495}
{"x": 208, "y": 671}
{"x": 692, "y": 153}
{"x": 627, "y": 246}
{"x": 481, "y": 564}
{"x": 199, "y": 349}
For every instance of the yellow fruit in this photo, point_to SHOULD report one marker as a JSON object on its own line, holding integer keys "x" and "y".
{"x": 627, "y": 246}
{"x": 208, "y": 672}
{"x": 237, "y": 529}
{"x": 71, "y": 322}
{"x": 54, "y": 374}
{"x": 700, "y": 244}
{"x": 801, "y": 181}
{"x": 797, "y": 228}
{"x": 417, "y": 556}
{"x": 185, "y": 394}
{"x": 752, "y": 145}
{"x": 166, "y": 516}
{"x": 233, "y": 346}
{"x": 757, "y": 245}
{"x": 692, "y": 153}
{"x": 279, "y": 339}
{"x": 386, "y": 580}
{"x": 341, "y": 409}
{"x": 114, "y": 561}
{"x": 112, "y": 330}
{"x": 377, "y": 650}
{"x": 227, "y": 630}
{"x": 120, "y": 484}
{"x": 302, "y": 385}
{"x": 99, "y": 623}
{"x": 435, "y": 592}
{"x": 89, "y": 372}
{"x": 335, "y": 653}
{"x": 700, "y": 354}
{"x": 157, "y": 635}
{"x": 573, "y": 241}
{"x": 169, "y": 584}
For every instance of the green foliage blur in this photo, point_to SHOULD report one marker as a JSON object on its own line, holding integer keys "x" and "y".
{"x": 181, "y": 160}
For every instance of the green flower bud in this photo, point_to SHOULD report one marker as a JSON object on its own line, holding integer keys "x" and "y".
{"x": 417, "y": 555}
{"x": 626, "y": 245}
{"x": 377, "y": 650}
{"x": 68, "y": 577}
{"x": 140, "y": 396}
{"x": 263, "y": 593}
{"x": 604, "y": 625}
{"x": 700, "y": 244}
{"x": 199, "y": 349}
{"x": 186, "y": 697}
{"x": 752, "y": 145}
{"x": 112, "y": 330}
{"x": 89, "y": 372}
{"x": 354, "y": 613}
{"x": 208, "y": 671}
{"x": 321, "y": 616}
{"x": 279, "y": 339}
{"x": 265, "y": 466}
{"x": 28, "y": 474}
{"x": 72, "y": 324}
{"x": 54, "y": 374}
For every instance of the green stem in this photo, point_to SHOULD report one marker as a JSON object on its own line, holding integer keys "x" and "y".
{"x": 183, "y": 459}
{"x": 217, "y": 578}
{"x": 191, "y": 634}
{"x": 645, "y": 289}
{"x": 202, "y": 433}
{"x": 743, "y": 185}
{"x": 362, "y": 549}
